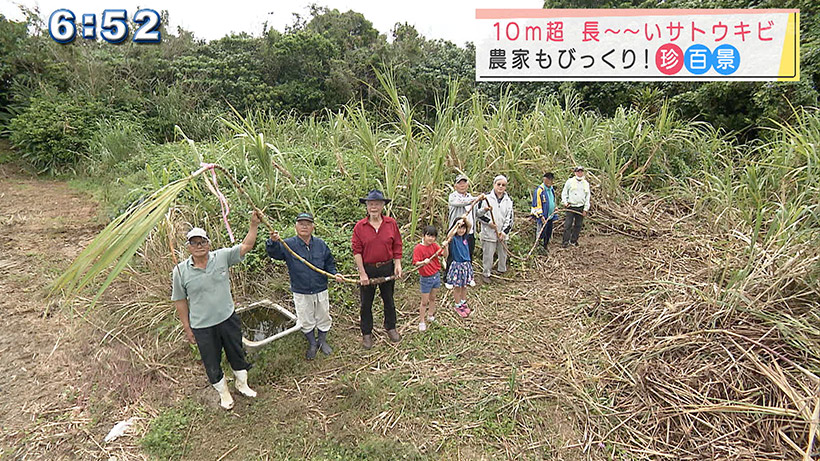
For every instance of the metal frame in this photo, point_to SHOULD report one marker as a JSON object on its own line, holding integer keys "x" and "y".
{"x": 270, "y": 304}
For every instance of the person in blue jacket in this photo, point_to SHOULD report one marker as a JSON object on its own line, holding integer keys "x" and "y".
{"x": 543, "y": 207}
{"x": 309, "y": 287}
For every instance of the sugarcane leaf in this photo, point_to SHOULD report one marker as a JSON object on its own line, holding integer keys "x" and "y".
{"x": 119, "y": 241}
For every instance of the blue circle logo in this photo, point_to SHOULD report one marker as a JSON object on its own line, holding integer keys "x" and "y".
{"x": 698, "y": 59}
{"x": 725, "y": 59}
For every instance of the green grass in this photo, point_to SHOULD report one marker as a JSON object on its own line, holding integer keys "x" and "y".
{"x": 166, "y": 435}
{"x": 440, "y": 341}
{"x": 282, "y": 426}
{"x": 6, "y": 156}
{"x": 369, "y": 394}
{"x": 279, "y": 360}
{"x": 372, "y": 448}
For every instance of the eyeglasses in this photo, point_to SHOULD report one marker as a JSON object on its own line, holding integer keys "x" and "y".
{"x": 199, "y": 243}
{"x": 501, "y": 184}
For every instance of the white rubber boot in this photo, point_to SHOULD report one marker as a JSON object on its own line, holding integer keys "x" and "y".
{"x": 242, "y": 383}
{"x": 225, "y": 399}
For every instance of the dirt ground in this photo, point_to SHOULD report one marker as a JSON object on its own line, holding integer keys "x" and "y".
{"x": 477, "y": 389}
{"x": 43, "y": 224}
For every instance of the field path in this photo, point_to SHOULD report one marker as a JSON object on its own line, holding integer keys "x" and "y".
{"x": 43, "y": 361}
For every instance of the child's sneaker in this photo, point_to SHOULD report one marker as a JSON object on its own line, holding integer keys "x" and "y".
{"x": 460, "y": 310}
{"x": 448, "y": 286}
{"x": 422, "y": 326}
{"x": 466, "y": 309}
{"x": 431, "y": 318}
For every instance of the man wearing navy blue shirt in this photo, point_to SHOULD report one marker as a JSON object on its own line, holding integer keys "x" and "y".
{"x": 308, "y": 286}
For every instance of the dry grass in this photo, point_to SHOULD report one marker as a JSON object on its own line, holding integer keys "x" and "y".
{"x": 684, "y": 374}
{"x": 627, "y": 348}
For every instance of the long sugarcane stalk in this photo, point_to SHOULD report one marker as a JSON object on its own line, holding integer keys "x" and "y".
{"x": 122, "y": 237}
{"x": 451, "y": 233}
{"x": 267, "y": 224}
{"x": 119, "y": 241}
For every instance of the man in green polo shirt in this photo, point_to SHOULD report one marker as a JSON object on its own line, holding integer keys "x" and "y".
{"x": 202, "y": 297}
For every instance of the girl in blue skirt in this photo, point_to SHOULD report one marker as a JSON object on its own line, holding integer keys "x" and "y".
{"x": 460, "y": 273}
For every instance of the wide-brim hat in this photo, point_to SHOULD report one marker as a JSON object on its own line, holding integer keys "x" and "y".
{"x": 375, "y": 194}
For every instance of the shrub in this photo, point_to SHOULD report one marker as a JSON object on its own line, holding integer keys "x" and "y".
{"x": 117, "y": 140}
{"x": 53, "y": 133}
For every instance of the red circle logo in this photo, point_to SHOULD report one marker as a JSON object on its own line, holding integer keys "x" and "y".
{"x": 669, "y": 59}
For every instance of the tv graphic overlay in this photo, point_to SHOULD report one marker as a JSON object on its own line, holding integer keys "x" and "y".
{"x": 113, "y": 26}
{"x": 635, "y": 44}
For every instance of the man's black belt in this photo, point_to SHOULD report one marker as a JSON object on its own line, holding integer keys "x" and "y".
{"x": 380, "y": 264}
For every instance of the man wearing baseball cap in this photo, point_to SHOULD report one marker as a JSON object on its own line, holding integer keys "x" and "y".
{"x": 574, "y": 197}
{"x": 543, "y": 207}
{"x": 202, "y": 297}
{"x": 309, "y": 287}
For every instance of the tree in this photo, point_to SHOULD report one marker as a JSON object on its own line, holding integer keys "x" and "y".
{"x": 229, "y": 70}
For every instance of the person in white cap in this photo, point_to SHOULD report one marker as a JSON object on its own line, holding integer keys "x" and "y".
{"x": 575, "y": 197}
{"x": 202, "y": 297}
{"x": 495, "y": 226}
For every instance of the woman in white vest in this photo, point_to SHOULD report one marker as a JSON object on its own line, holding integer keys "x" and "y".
{"x": 495, "y": 226}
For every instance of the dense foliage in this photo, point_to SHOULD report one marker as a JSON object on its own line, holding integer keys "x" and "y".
{"x": 322, "y": 62}
{"x": 744, "y": 108}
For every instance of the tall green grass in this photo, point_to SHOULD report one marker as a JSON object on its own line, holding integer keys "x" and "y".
{"x": 765, "y": 194}
{"x": 766, "y": 197}
{"x": 414, "y": 162}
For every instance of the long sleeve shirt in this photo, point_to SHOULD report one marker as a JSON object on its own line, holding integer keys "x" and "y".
{"x": 376, "y": 247}
{"x": 457, "y": 206}
{"x": 543, "y": 201}
{"x": 303, "y": 279}
{"x": 502, "y": 214}
{"x": 576, "y": 193}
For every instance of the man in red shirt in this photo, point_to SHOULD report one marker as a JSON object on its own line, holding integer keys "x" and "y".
{"x": 377, "y": 250}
